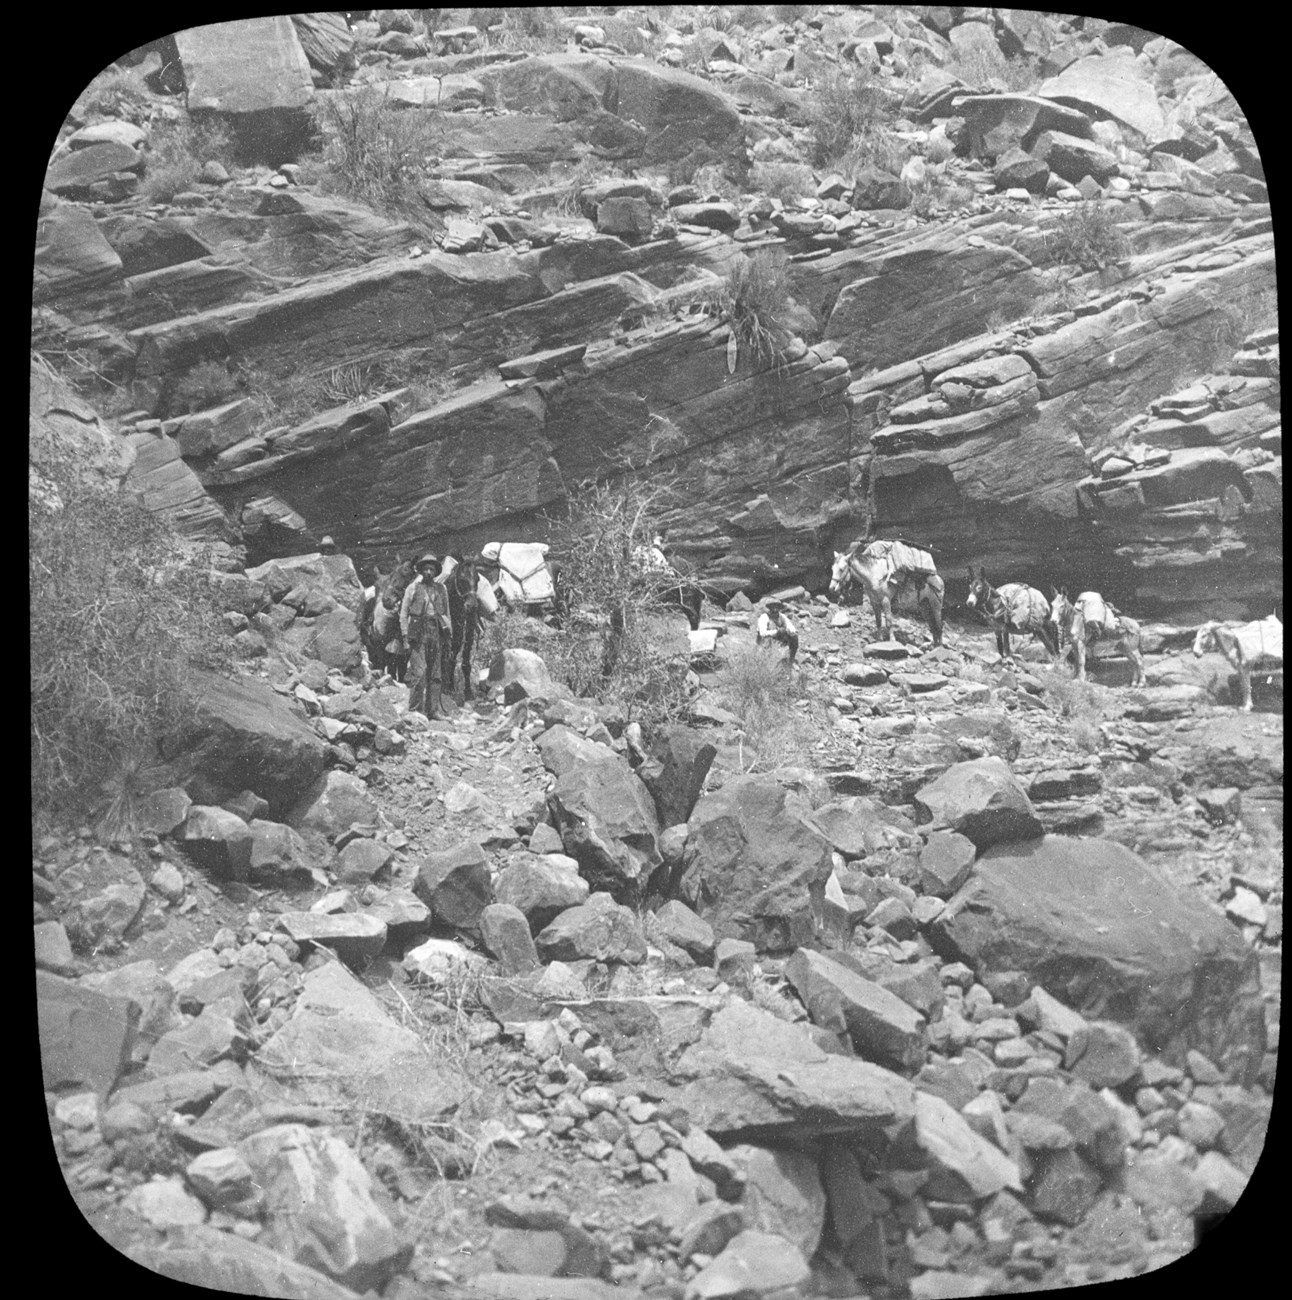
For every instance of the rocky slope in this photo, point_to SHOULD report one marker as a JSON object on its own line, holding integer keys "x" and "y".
{"x": 952, "y": 375}
{"x": 840, "y": 1045}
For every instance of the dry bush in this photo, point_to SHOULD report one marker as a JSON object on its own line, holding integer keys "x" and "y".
{"x": 375, "y": 152}
{"x": 115, "y": 92}
{"x": 207, "y": 384}
{"x": 176, "y": 152}
{"x": 757, "y": 687}
{"x": 120, "y": 613}
{"x": 782, "y": 180}
{"x": 1067, "y": 696}
{"x": 845, "y": 110}
{"x": 1088, "y": 237}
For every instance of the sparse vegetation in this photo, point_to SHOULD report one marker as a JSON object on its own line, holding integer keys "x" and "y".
{"x": 115, "y": 92}
{"x": 120, "y": 613}
{"x": 207, "y": 384}
{"x": 758, "y": 689}
{"x": 846, "y": 119}
{"x": 1068, "y": 697}
{"x": 176, "y": 153}
{"x": 782, "y": 180}
{"x": 1249, "y": 310}
{"x": 1088, "y": 237}
{"x": 752, "y": 300}
{"x": 374, "y": 151}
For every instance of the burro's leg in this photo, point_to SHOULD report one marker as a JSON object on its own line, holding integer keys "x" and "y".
{"x": 1245, "y": 681}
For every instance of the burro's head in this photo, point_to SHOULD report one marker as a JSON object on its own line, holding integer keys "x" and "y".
{"x": 838, "y": 572}
{"x": 1205, "y": 641}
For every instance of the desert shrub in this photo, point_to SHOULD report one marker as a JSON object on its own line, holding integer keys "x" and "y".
{"x": 373, "y": 151}
{"x": 176, "y": 152}
{"x": 207, "y": 384}
{"x": 844, "y": 110}
{"x": 752, "y": 300}
{"x": 1088, "y": 237}
{"x": 1068, "y": 697}
{"x": 782, "y": 180}
{"x": 939, "y": 149}
{"x": 758, "y": 689}
{"x": 532, "y": 28}
{"x": 120, "y": 613}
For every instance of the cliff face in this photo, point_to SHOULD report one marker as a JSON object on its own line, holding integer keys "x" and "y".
{"x": 950, "y": 377}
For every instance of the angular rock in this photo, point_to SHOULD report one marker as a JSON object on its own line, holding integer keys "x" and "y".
{"x": 1063, "y": 1188}
{"x": 753, "y": 1264}
{"x": 334, "y": 803}
{"x": 277, "y": 853}
{"x": 86, "y": 1037}
{"x": 541, "y": 888}
{"x": 218, "y": 840}
{"x": 783, "y": 1195}
{"x": 608, "y": 823}
{"x": 209, "y": 1258}
{"x": 1104, "y": 1055}
{"x": 322, "y": 1208}
{"x": 675, "y": 777}
{"x": 455, "y": 884}
{"x": 964, "y": 1165}
{"x": 54, "y": 949}
{"x": 506, "y": 936}
{"x": 681, "y": 926}
{"x": 750, "y": 1069}
{"x": 162, "y": 811}
{"x": 945, "y": 863}
{"x": 625, "y": 216}
{"x": 754, "y": 867}
{"x": 355, "y": 937}
{"x": 361, "y": 860}
{"x": 981, "y": 800}
{"x": 881, "y": 1026}
{"x": 599, "y": 929}
{"x": 248, "y": 65}
{"x": 243, "y": 736}
{"x": 1099, "y": 928}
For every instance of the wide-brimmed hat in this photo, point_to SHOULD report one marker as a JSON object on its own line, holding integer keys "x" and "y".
{"x": 429, "y": 558}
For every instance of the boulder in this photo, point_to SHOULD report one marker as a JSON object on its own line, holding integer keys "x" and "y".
{"x": 675, "y": 772}
{"x": 783, "y": 1194}
{"x": 541, "y": 888}
{"x": 1099, "y": 929}
{"x": 277, "y": 853}
{"x": 754, "y": 867}
{"x": 1072, "y": 158}
{"x": 72, "y": 254}
{"x": 86, "y": 1036}
{"x": 625, "y": 216}
{"x": 980, "y": 800}
{"x": 562, "y": 749}
{"x": 965, "y": 1166}
{"x": 521, "y": 674}
{"x": 322, "y": 1208}
{"x": 752, "y": 1264}
{"x": 856, "y": 825}
{"x": 599, "y": 929}
{"x": 248, "y": 65}
{"x": 243, "y": 736}
{"x": 608, "y": 824}
{"x": 507, "y": 939}
{"x": 880, "y": 1025}
{"x": 334, "y": 803}
{"x": 1112, "y": 84}
{"x": 680, "y": 926}
{"x": 355, "y": 937}
{"x": 218, "y": 840}
{"x": 750, "y": 1069}
{"x": 455, "y": 885}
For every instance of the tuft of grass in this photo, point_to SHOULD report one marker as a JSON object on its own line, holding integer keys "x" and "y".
{"x": 1088, "y": 237}
{"x": 1068, "y": 697}
{"x": 752, "y": 300}
{"x": 207, "y": 384}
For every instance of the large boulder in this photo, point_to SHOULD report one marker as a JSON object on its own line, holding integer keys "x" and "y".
{"x": 982, "y": 800}
{"x": 749, "y": 1070}
{"x": 334, "y": 803}
{"x": 1099, "y": 929}
{"x": 599, "y": 929}
{"x": 332, "y": 575}
{"x": 541, "y": 887}
{"x": 249, "y": 65}
{"x": 71, "y": 252}
{"x": 754, "y": 867}
{"x": 243, "y": 736}
{"x": 1116, "y": 85}
{"x": 608, "y": 824}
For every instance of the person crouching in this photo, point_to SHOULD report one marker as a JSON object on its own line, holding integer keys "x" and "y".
{"x": 774, "y": 625}
{"x": 424, "y": 621}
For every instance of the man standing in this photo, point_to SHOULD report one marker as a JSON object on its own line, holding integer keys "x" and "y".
{"x": 424, "y": 621}
{"x": 774, "y": 625}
